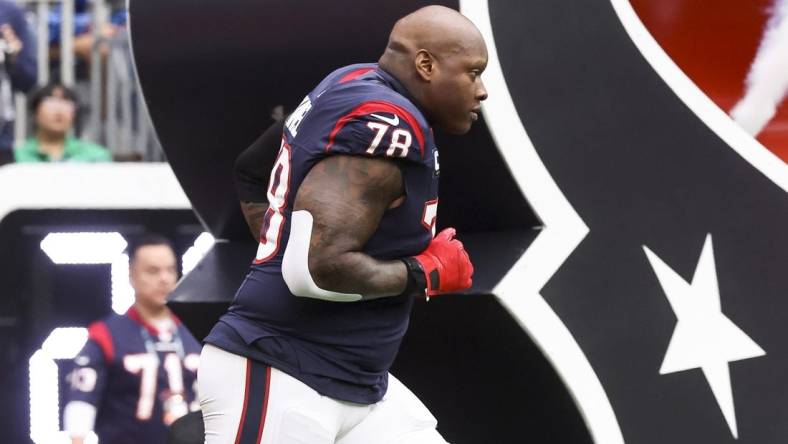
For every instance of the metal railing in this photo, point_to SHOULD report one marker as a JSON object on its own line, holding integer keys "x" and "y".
{"x": 114, "y": 114}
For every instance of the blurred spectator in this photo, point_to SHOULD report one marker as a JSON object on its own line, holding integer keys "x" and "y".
{"x": 137, "y": 373}
{"x": 54, "y": 110}
{"x": 83, "y": 29}
{"x": 18, "y": 70}
{"x": 107, "y": 39}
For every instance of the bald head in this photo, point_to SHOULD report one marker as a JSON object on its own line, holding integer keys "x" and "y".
{"x": 437, "y": 29}
{"x": 436, "y": 52}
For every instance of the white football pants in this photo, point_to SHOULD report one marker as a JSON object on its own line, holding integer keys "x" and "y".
{"x": 247, "y": 402}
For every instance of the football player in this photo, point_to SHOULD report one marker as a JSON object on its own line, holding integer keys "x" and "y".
{"x": 346, "y": 243}
{"x": 137, "y": 372}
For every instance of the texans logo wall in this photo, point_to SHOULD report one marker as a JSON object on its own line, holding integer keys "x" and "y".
{"x": 656, "y": 286}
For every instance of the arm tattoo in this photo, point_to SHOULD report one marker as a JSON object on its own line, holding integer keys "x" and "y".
{"x": 254, "y": 213}
{"x": 347, "y": 196}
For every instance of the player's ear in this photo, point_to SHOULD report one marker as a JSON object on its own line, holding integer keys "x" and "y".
{"x": 425, "y": 65}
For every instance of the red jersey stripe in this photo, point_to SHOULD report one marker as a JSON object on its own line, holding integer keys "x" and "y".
{"x": 99, "y": 333}
{"x": 355, "y": 74}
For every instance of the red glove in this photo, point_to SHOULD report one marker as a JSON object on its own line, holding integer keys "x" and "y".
{"x": 445, "y": 264}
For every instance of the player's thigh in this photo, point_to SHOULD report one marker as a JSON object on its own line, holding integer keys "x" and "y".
{"x": 246, "y": 402}
{"x": 221, "y": 388}
{"x": 400, "y": 418}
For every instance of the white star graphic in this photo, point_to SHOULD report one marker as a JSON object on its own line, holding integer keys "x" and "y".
{"x": 704, "y": 337}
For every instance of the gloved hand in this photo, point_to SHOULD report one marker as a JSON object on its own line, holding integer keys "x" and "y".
{"x": 445, "y": 264}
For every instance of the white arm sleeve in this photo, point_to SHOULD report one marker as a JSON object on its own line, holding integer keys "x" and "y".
{"x": 79, "y": 417}
{"x": 295, "y": 263}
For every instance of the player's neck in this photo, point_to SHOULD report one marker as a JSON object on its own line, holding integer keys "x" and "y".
{"x": 152, "y": 314}
{"x": 407, "y": 80}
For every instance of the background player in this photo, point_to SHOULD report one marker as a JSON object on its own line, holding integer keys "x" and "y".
{"x": 137, "y": 372}
{"x": 346, "y": 244}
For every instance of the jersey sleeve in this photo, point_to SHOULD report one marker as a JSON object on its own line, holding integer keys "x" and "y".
{"x": 379, "y": 129}
{"x": 87, "y": 379}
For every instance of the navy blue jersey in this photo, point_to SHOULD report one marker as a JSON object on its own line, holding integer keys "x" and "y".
{"x": 139, "y": 379}
{"x": 342, "y": 350}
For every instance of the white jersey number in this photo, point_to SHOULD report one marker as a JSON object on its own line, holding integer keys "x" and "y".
{"x": 147, "y": 366}
{"x": 400, "y": 140}
{"x": 274, "y": 220}
{"x": 83, "y": 379}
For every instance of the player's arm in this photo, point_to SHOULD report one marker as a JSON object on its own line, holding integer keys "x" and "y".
{"x": 338, "y": 207}
{"x": 254, "y": 213}
{"x": 345, "y": 198}
{"x": 252, "y": 171}
{"x": 86, "y": 388}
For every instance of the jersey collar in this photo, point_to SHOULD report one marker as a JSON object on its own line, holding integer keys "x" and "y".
{"x": 135, "y": 315}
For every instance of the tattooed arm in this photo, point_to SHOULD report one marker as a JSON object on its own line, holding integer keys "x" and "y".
{"x": 347, "y": 196}
{"x": 253, "y": 214}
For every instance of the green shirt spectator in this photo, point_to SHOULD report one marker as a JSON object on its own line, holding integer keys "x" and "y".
{"x": 74, "y": 150}
{"x": 54, "y": 108}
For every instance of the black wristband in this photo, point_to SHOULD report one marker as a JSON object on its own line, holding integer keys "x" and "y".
{"x": 417, "y": 280}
